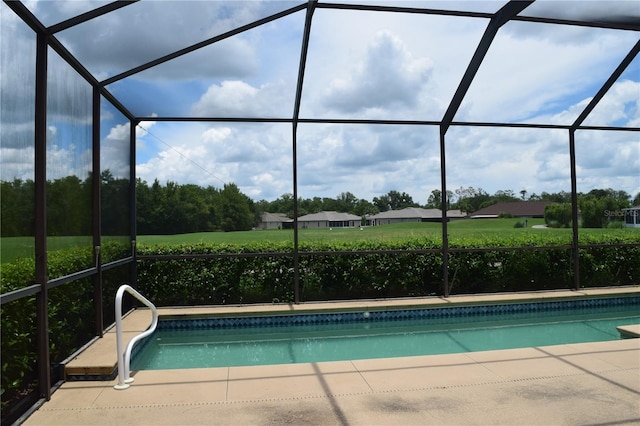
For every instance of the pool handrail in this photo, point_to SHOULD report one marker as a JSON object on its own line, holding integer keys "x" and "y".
{"x": 124, "y": 358}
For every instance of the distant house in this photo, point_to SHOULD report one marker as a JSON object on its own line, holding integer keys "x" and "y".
{"x": 456, "y": 214}
{"x": 275, "y": 221}
{"x": 329, "y": 220}
{"x": 412, "y": 214}
{"x": 632, "y": 217}
{"x": 516, "y": 209}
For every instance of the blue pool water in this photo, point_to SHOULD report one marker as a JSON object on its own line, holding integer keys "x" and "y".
{"x": 361, "y": 335}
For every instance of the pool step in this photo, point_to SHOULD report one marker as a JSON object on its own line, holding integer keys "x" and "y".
{"x": 629, "y": 331}
{"x": 99, "y": 360}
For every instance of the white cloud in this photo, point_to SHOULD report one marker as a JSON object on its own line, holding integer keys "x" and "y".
{"x": 119, "y": 132}
{"x": 145, "y": 31}
{"x": 239, "y": 99}
{"x": 216, "y": 134}
{"x": 620, "y": 106}
{"x": 255, "y": 157}
{"x": 387, "y": 77}
{"x": 541, "y": 75}
{"x": 17, "y": 163}
{"x": 114, "y": 151}
{"x": 143, "y": 127}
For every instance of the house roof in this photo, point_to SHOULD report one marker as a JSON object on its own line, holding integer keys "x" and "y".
{"x": 416, "y": 213}
{"x": 516, "y": 208}
{"x": 409, "y": 213}
{"x": 328, "y": 216}
{"x": 275, "y": 217}
{"x": 456, "y": 213}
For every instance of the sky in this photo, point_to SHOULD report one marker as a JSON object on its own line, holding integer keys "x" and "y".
{"x": 360, "y": 65}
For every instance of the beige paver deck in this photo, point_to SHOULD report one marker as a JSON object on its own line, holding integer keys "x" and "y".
{"x": 589, "y": 383}
{"x": 629, "y": 331}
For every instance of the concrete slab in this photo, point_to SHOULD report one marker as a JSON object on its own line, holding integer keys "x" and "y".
{"x": 294, "y": 380}
{"x": 422, "y": 372}
{"x": 629, "y": 331}
{"x": 594, "y": 393}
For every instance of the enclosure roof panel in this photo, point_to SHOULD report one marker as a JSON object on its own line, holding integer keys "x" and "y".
{"x": 51, "y": 12}
{"x": 391, "y": 65}
{"x": 543, "y": 73}
{"x": 488, "y": 7}
{"x": 250, "y": 74}
{"x": 404, "y": 60}
{"x": 146, "y": 30}
{"x": 620, "y": 105}
{"x": 613, "y": 12}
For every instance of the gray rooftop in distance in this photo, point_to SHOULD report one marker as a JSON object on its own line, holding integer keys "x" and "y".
{"x": 328, "y": 216}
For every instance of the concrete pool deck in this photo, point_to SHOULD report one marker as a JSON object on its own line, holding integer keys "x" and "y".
{"x": 587, "y": 383}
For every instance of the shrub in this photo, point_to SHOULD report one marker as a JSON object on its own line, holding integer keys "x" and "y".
{"x": 558, "y": 215}
{"x": 363, "y": 272}
{"x": 70, "y": 319}
{"x": 615, "y": 224}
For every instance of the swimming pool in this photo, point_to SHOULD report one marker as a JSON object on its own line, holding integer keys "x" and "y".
{"x": 283, "y": 339}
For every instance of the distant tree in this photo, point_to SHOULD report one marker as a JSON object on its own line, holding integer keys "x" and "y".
{"x": 620, "y": 197}
{"x": 558, "y": 197}
{"x": 308, "y": 206}
{"x": 194, "y": 211}
{"x": 558, "y": 215}
{"x": 69, "y": 206}
{"x": 364, "y": 207}
{"x": 470, "y": 199}
{"x": 114, "y": 194}
{"x": 523, "y": 194}
{"x": 330, "y": 204}
{"x": 17, "y": 218}
{"x": 435, "y": 199}
{"x": 400, "y": 200}
{"x": 283, "y": 204}
{"x": 382, "y": 203}
{"x": 346, "y": 202}
{"x": 600, "y": 207}
{"x": 534, "y": 197}
{"x": 236, "y": 209}
{"x": 592, "y": 212}
{"x": 636, "y": 200}
{"x": 504, "y": 195}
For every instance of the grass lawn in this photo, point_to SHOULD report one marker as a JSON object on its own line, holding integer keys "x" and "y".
{"x": 479, "y": 228}
{"x": 14, "y": 247}
{"x": 395, "y": 232}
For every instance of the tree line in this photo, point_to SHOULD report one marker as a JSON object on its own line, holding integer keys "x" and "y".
{"x": 161, "y": 209}
{"x": 599, "y": 208}
{"x": 173, "y": 208}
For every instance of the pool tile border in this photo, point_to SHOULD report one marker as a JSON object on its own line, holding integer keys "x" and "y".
{"x": 364, "y": 315}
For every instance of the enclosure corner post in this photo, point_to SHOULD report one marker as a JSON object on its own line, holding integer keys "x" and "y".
{"x": 575, "y": 249}
{"x": 133, "y": 230}
{"x": 97, "y": 214}
{"x": 42, "y": 297}
{"x": 443, "y": 206}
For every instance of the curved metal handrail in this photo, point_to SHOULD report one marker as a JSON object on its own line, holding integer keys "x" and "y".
{"x": 124, "y": 358}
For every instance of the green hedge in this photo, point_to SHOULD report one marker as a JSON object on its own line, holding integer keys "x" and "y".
{"x": 494, "y": 267}
{"x": 71, "y": 319}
